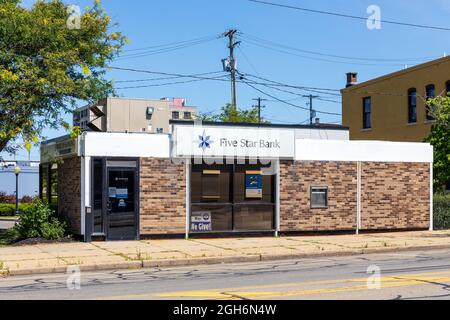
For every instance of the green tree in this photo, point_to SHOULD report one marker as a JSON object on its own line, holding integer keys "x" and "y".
{"x": 440, "y": 139}
{"x": 48, "y": 62}
{"x": 228, "y": 114}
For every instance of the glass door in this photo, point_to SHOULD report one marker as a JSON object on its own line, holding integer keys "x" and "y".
{"x": 121, "y": 204}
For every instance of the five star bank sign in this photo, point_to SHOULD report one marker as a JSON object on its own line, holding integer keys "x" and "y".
{"x": 240, "y": 142}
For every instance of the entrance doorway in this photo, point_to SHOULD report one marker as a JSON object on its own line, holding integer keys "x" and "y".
{"x": 115, "y": 214}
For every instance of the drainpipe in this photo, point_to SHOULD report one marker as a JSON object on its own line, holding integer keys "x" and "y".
{"x": 358, "y": 197}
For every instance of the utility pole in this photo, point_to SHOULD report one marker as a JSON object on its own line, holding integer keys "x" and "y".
{"x": 230, "y": 65}
{"x": 312, "y": 112}
{"x": 259, "y": 106}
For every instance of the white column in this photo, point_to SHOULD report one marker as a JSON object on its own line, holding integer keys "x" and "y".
{"x": 277, "y": 198}
{"x": 431, "y": 199}
{"x": 85, "y": 190}
{"x": 358, "y": 196}
{"x": 188, "y": 196}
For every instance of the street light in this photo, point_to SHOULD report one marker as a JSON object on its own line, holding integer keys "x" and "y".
{"x": 17, "y": 170}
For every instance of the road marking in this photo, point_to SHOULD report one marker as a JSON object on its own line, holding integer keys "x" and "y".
{"x": 245, "y": 292}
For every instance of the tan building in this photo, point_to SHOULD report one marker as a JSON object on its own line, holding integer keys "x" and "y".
{"x": 393, "y": 107}
{"x": 133, "y": 115}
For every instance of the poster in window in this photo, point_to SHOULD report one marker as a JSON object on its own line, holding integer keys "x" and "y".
{"x": 253, "y": 186}
{"x": 201, "y": 221}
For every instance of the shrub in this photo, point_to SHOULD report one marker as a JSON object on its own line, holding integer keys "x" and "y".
{"x": 39, "y": 221}
{"x": 442, "y": 211}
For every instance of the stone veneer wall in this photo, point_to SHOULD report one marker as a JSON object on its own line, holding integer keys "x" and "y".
{"x": 395, "y": 196}
{"x": 162, "y": 197}
{"x": 296, "y": 179}
{"x": 69, "y": 193}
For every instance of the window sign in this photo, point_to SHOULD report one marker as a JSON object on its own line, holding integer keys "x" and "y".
{"x": 253, "y": 186}
{"x": 122, "y": 193}
{"x": 112, "y": 192}
{"x": 201, "y": 221}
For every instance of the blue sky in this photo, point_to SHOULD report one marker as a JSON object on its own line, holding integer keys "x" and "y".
{"x": 154, "y": 22}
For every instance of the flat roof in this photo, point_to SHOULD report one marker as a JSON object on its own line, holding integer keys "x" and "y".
{"x": 320, "y": 126}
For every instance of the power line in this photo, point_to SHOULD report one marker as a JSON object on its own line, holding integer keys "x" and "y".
{"x": 169, "y": 83}
{"x": 171, "y": 44}
{"x": 273, "y": 43}
{"x": 163, "y": 50}
{"x": 319, "y": 59}
{"x": 166, "y": 78}
{"x": 406, "y": 24}
{"x": 288, "y": 103}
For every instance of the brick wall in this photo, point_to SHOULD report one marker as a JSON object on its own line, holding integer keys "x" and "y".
{"x": 69, "y": 193}
{"x": 162, "y": 197}
{"x": 296, "y": 179}
{"x": 395, "y": 196}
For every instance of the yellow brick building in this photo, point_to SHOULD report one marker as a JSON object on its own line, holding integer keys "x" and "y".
{"x": 393, "y": 107}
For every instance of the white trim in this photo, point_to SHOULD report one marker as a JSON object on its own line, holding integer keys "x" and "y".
{"x": 358, "y": 196}
{"x": 431, "y": 199}
{"x": 85, "y": 190}
{"x": 365, "y": 151}
{"x": 125, "y": 145}
{"x": 277, "y": 198}
{"x": 188, "y": 198}
{"x": 82, "y": 195}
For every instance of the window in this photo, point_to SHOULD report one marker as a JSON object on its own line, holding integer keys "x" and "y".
{"x": 412, "y": 105}
{"x": 175, "y": 115}
{"x": 367, "y": 113}
{"x": 447, "y": 87}
{"x": 159, "y": 130}
{"x": 187, "y": 115}
{"x": 430, "y": 94}
{"x": 210, "y": 185}
{"x": 319, "y": 197}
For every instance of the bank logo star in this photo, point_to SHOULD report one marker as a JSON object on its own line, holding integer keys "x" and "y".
{"x": 205, "y": 141}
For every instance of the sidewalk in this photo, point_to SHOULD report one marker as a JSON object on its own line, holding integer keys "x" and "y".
{"x": 49, "y": 258}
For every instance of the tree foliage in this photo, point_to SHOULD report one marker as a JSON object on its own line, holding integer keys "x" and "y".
{"x": 45, "y": 66}
{"x": 234, "y": 116}
{"x": 440, "y": 139}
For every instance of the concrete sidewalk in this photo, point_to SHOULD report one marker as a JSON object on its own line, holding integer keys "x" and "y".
{"x": 49, "y": 258}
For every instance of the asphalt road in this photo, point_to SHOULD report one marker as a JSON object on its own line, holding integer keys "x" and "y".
{"x": 407, "y": 275}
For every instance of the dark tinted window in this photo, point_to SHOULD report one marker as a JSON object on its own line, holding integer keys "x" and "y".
{"x": 430, "y": 94}
{"x": 367, "y": 113}
{"x": 412, "y": 106}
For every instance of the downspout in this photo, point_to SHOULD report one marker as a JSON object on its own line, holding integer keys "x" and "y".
{"x": 358, "y": 196}
{"x": 431, "y": 199}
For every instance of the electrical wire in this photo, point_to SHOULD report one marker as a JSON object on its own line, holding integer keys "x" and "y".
{"x": 349, "y": 16}
{"x": 288, "y": 103}
{"x": 169, "y": 83}
{"x": 160, "y": 51}
{"x": 273, "y": 43}
{"x": 166, "y": 78}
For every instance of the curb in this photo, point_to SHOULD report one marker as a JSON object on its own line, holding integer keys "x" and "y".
{"x": 134, "y": 265}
